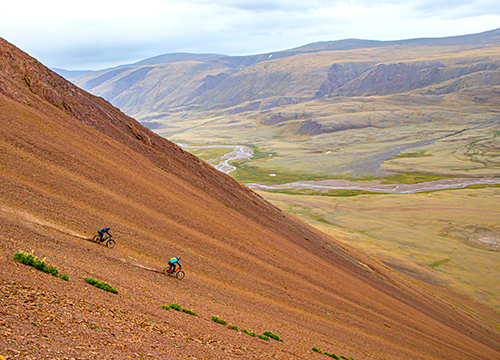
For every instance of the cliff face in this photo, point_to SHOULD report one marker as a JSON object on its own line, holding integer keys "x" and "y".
{"x": 71, "y": 164}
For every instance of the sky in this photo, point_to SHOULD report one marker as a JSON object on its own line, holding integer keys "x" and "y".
{"x": 98, "y": 34}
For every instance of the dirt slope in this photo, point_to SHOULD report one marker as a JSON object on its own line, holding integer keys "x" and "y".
{"x": 71, "y": 163}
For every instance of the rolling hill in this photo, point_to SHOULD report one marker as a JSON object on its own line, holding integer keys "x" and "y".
{"x": 166, "y": 84}
{"x": 72, "y": 163}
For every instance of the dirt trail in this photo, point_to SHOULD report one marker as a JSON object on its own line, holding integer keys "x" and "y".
{"x": 30, "y": 218}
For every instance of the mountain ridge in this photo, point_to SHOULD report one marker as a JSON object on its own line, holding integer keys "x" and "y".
{"x": 237, "y": 84}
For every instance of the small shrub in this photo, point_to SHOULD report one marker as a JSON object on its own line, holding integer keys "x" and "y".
{"x": 101, "y": 285}
{"x": 248, "y": 332}
{"x": 316, "y": 349}
{"x": 187, "y": 311}
{"x": 332, "y": 355}
{"x": 219, "y": 321}
{"x": 33, "y": 261}
{"x": 263, "y": 337}
{"x": 272, "y": 336}
{"x": 233, "y": 327}
{"x": 175, "y": 306}
{"x": 64, "y": 276}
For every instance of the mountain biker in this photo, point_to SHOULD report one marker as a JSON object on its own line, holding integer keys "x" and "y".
{"x": 172, "y": 262}
{"x": 102, "y": 232}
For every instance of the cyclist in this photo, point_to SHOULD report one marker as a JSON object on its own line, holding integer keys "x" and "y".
{"x": 102, "y": 232}
{"x": 172, "y": 262}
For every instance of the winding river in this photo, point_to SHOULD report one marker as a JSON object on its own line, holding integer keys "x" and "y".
{"x": 241, "y": 152}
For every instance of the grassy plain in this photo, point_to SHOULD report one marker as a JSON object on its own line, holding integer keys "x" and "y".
{"x": 447, "y": 237}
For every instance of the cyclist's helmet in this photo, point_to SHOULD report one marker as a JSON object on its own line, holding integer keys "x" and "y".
{"x": 107, "y": 228}
{"x": 178, "y": 257}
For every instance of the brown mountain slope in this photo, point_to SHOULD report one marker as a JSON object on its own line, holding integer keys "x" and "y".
{"x": 71, "y": 163}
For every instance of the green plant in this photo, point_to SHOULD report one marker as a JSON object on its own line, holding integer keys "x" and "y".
{"x": 64, "y": 276}
{"x": 233, "y": 327}
{"x": 218, "y": 320}
{"x": 175, "y": 306}
{"x": 101, "y": 285}
{"x": 189, "y": 312}
{"x": 263, "y": 337}
{"x": 248, "y": 332}
{"x": 316, "y": 349}
{"x": 332, "y": 355}
{"x": 272, "y": 336}
{"x": 33, "y": 261}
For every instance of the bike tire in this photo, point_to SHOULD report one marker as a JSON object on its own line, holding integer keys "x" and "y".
{"x": 165, "y": 270}
{"x": 110, "y": 243}
{"x": 96, "y": 238}
{"x": 180, "y": 275}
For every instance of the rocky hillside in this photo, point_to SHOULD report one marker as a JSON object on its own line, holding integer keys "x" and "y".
{"x": 72, "y": 163}
{"x": 158, "y": 87}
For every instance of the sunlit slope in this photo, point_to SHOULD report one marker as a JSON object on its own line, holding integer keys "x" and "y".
{"x": 71, "y": 163}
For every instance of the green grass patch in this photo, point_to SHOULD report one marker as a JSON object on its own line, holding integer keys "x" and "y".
{"x": 246, "y": 173}
{"x": 175, "y": 307}
{"x": 233, "y": 327}
{"x": 263, "y": 337}
{"x": 218, "y": 320}
{"x": 408, "y": 178}
{"x": 101, "y": 285}
{"x": 331, "y": 355}
{"x": 338, "y": 193}
{"x": 207, "y": 154}
{"x": 39, "y": 264}
{"x": 249, "y": 332}
{"x": 272, "y": 336}
{"x": 411, "y": 155}
{"x": 315, "y": 349}
{"x": 435, "y": 264}
{"x": 189, "y": 312}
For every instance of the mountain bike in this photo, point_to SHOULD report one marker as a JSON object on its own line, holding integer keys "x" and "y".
{"x": 179, "y": 274}
{"x": 109, "y": 242}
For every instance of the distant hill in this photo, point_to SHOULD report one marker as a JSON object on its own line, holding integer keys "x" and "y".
{"x": 72, "y": 163}
{"x": 71, "y": 74}
{"x": 172, "y": 83}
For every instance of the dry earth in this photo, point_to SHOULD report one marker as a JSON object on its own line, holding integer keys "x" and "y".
{"x": 71, "y": 163}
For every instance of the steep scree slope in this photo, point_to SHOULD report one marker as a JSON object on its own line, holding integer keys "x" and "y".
{"x": 71, "y": 163}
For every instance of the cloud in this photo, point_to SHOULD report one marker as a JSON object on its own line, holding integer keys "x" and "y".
{"x": 101, "y": 33}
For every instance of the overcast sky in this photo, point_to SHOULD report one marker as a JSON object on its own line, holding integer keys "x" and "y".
{"x": 96, "y": 34}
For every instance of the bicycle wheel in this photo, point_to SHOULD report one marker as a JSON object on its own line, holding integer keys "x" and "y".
{"x": 110, "y": 243}
{"x": 165, "y": 270}
{"x": 180, "y": 275}
{"x": 96, "y": 238}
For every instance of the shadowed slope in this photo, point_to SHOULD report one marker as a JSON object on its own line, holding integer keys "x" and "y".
{"x": 71, "y": 163}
